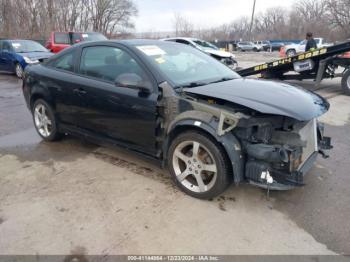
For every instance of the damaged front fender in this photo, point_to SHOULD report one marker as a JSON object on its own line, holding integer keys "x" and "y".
{"x": 228, "y": 141}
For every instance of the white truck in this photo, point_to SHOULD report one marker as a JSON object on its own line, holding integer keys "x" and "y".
{"x": 293, "y": 49}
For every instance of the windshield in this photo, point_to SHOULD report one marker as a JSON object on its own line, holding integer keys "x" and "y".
{"x": 205, "y": 44}
{"x": 93, "y": 37}
{"x": 186, "y": 66}
{"x": 26, "y": 46}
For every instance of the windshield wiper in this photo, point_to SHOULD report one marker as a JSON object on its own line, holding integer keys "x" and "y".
{"x": 192, "y": 84}
{"x": 224, "y": 79}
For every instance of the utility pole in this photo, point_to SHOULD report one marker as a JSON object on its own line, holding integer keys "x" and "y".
{"x": 252, "y": 22}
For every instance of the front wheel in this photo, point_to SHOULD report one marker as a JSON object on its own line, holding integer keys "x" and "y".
{"x": 199, "y": 165}
{"x": 345, "y": 82}
{"x": 291, "y": 52}
{"x": 19, "y": 70}
{"x": 44, "y": 121}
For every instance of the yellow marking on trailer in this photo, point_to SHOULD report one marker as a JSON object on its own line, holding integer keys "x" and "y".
{"x": 308, "y": 55}
{"x": 323, "y": 51}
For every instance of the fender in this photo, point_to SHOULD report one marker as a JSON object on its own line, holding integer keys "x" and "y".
{"x": 207, "y": 123}
{"x": 40, "y": 91}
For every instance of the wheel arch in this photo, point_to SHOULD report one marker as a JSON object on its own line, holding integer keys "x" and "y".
{"x": 291, "y": 49}
{"x": 229, "y": 143}
{"x": 39, "y": 92}
{"x": 345, "y": 82}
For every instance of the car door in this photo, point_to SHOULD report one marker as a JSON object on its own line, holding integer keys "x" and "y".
{"x": 60, "y": 41}
{"x": 6, "y": 57}
{"x": 301, "y": 46}
{"x": 122, "y": 114}
{"x": 59, "y": 78}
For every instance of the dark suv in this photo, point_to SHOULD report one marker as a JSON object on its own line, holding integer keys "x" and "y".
{"x": 182, "y": 107}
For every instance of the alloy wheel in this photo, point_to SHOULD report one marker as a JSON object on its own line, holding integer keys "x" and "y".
{"x": 42, "y": 120}
{"x": 291, "y": 53}
{"x": 19, "y": 71}
{"x": 194, "y": 166}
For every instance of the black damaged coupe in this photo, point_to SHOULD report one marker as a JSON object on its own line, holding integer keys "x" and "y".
{"x": 176, "y": 104}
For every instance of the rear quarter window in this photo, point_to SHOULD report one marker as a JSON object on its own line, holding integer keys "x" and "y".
{"x": 64, "y": 62}
{"x": 61, "y": 38}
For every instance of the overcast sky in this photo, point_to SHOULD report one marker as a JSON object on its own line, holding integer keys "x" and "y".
{"x": 158, "y": 15}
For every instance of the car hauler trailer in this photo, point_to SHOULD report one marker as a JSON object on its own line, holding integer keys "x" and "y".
{"x": 317, "y": 64}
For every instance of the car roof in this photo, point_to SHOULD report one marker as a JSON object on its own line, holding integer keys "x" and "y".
{"x": 134, "y": 42}
{"x": 14, "y": 40}
{"x": 182, "y": 38}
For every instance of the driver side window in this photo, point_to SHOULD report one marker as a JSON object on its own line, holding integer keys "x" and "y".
{"x": 6, "y": 46}
{"x": 108, "y": 63}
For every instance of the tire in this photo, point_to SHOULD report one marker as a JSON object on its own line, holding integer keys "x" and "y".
{"x": 255, "y": 49}
{"x": 291, "y": 52}
{"x": 205, "y": 174}
{"x": 345, "y": 82}
{"x": 45, "y": 121}
{"x": 19, "y": 70}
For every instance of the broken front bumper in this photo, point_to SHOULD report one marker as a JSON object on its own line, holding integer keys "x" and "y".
{"x": 263, "y": 174}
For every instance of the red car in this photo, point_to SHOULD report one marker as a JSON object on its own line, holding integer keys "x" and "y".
{"x": 61, "y": 40}
{"x": 346, "y": 55}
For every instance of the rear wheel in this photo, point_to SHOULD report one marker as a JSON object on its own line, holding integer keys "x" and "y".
{"x": 44, "y": 121}
{"x": 345, "y": 82}
{"x": 198, "y": 165}
{"x": 19, "y": 70}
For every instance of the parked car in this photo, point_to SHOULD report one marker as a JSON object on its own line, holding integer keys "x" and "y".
{"x": 15, "y": 55}
{"x": 276, "y": 46}
{"x": 181, "y": 107}
{"x": 346, "y": 55}
{"x": 264, "y": 45}
{"x": 225, "y": 57}
{"x": 248, "y": 46}
{"x": 61, "y": 40}
{"x": 293, "y": 49}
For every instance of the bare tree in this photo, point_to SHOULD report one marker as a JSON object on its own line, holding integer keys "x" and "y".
{"x": 182, "y": 25}
{"x": 37, "y": 18}
{"x": 111, "y": 16}
{"x": 271, "y": 23}
{"x": 339, "y": 14}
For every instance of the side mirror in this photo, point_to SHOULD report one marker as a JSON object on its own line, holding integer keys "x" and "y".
{"x": 132, "y": 81}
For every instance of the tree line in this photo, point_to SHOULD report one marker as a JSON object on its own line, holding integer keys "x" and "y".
{"x": 37, "y": 18}
{"x": 325, "y": 18}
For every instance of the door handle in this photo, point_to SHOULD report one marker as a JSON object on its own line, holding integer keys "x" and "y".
{"x": 79, "y": 91}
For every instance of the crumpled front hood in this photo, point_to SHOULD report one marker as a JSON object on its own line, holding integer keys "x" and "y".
{"x": 219, "y": 53}
{"x": 267, "y": 97}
